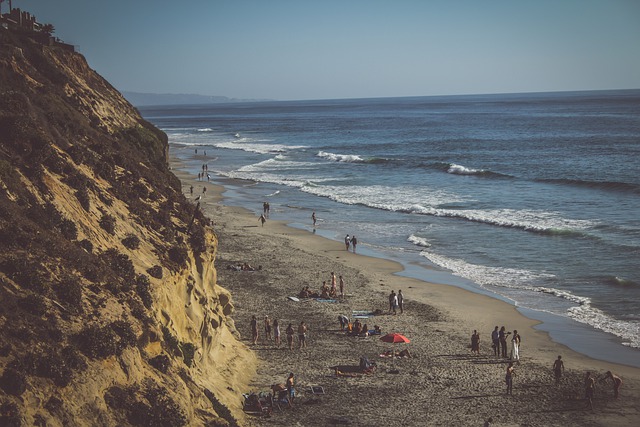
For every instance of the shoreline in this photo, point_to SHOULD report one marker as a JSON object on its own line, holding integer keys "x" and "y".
{"x": 460, "y": 310}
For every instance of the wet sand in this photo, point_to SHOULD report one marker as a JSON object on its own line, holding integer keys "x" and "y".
{"x": 442, "y": 384}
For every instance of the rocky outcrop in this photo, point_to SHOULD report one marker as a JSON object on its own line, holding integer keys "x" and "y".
{"x": 109, "y": 309}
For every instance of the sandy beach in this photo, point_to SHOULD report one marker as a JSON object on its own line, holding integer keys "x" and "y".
{"x": 443, "y": 383}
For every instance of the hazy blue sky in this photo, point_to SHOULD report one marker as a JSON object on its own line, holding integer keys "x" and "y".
{"x": 303, "y": 49}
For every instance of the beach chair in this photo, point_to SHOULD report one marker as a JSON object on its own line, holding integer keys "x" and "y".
{"x": 257, "y": 403}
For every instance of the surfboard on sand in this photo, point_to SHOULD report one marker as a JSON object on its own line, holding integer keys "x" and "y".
{"x": 296, "y": 299}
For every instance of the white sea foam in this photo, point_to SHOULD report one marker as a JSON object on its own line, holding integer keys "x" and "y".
{"x": 205, "y": 130}
{"x": 524, "y": 281}
{"x": 419, "y": 241}
{"x": 347, "y": 158}
{"x": 461, "y": 170}
{"x": 256, "y": 147}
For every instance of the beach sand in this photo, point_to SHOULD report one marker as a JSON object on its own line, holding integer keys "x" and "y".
{"x": 442, "y": 384}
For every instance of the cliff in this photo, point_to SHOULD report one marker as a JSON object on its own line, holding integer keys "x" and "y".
{"x": 109, "y": 309}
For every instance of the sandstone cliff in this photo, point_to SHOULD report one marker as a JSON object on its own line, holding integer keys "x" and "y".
{"x": 109, "y": 309}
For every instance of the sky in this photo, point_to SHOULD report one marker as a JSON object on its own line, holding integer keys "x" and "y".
{"x": 333, "y": 49}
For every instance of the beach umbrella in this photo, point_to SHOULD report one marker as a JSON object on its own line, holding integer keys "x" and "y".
{"x": 394, "y": 338}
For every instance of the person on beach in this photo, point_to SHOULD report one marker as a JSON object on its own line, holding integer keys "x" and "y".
{"x": 289, "y": 331}
{"x": 264, "y": 208}
{"x": 400, "y": 301}
{"x": 502, "y": 336}
{"x": 302, "y": 335}
{"x": 313, "y": 218}
{"x": 344, "y": 321}
{"x": 291, "y": 391}
{"x": 495, "y": 339}
{"x": 394, "y": 303}
{"x": 254, "y": 329}
{"x": 354, "y": 243}
{"x": 515, "y": 346}
{"x": 347, "y": 241}
{"x": 334, "y": 290}
{"x": 267, "y": 328}
{"x": 589, "y": 389}
{"x": 475, "y": 342}
{"x": 262, "y": 219}
{"x": 617, "y": 382}
{"x": 341, "y": 286}
{"x": 509, "y": 378}
{"x": 558, "y": 369}
{"x": 204, "y": 190}
{"x": 276, "y": 332}
{"x": 191, "y": 189}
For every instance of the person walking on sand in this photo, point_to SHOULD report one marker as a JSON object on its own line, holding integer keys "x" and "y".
{"x": 617, "y": 382}
{"x": 191, "y": 189}
{"x": 313, "y": 218}
{"x": 302, "y": 335}
{"x": 509, "y": 378}
{"x": 558, "y": 369}
{"x": 290, "y": 332}
{"x": 400, "y": 301}
{"x": 276, "y": 332}
{"x": 354, "y": 243}
{"x": 262, "y": 219}
{"x": 495, "y": 339}
{"x": 254, "y": 329}
{"x": 341, "y": 286}
{"x": 515, "y": 346}
{"x": 267, "y": 328}
{"x": 589, "y": 389}
{"x": 347, "y": 241}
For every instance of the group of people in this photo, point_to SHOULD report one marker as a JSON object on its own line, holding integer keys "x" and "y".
{"x": 243, "y": 267}
{"x": 396, "y": 301}
{"x": 350, "y": 241}
{"x": 499, "y": 343}
{"x": 357, "y": 328}
{"x": 272, "y": 332}
{"x": 334, "y": 290}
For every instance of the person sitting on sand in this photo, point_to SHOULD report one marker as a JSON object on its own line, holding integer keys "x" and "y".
{"x": 247, "y": 267}
{"x": 357, "y": 327}
{"x": 377, "y": 330}
{"x": 404, "y": 353}
{"x": 304, "y": 293}
{"x": 344, "y": 321}
{"x": 617, "y": 382}
{"x": 365, "y": 330}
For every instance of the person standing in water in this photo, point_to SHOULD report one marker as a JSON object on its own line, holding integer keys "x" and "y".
{"x": 347, "y": 241}
{"x": 313, "y": 218}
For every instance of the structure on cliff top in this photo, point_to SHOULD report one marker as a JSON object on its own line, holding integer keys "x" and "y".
{"x": 18, "y": 20}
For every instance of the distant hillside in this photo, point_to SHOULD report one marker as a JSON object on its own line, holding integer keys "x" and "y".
{"x": 141, "y": 99}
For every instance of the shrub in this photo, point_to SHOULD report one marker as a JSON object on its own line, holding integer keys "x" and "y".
{"x": 33, "y": 304}
{"x": 143, "y": 289}
{"x": 161, "y": 363}
{"x": 197, "y": 240}
{"x": 86, "y": 245}
{"x": 68, "y": 229}
{"x": 131, "y": 242}
{"x": 69, "y": 292}
{"x": 10, "y": 415}
{"x": 155, "y": 271}
{"x": 98, "y": 342}
{"x": 119, "y": 263}
{"x": 108, "y": 223}
{"x": 178, "y": 255}
{"x": 83, "y": 198}
{"x": 125, "y": 332}
{"x": 188, "y": 352}
{"x": 13, "y": 382}
{"x": 171, "y": 341}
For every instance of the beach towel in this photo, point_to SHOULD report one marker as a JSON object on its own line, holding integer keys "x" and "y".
{"x": 325, "y": 300}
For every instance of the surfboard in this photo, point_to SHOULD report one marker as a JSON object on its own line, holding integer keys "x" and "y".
{"x": 296, "y": 299}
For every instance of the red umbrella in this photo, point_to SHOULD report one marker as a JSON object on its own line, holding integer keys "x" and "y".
{"x": 395, "y": 338}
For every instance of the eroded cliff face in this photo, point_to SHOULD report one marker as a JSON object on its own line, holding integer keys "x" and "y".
{"x": 109, "y": 309}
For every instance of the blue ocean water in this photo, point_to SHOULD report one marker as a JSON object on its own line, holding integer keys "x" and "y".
{"x": 534, "y": 198}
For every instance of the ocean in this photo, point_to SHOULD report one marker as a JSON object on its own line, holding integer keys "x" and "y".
{"x": 530, "y": 198}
